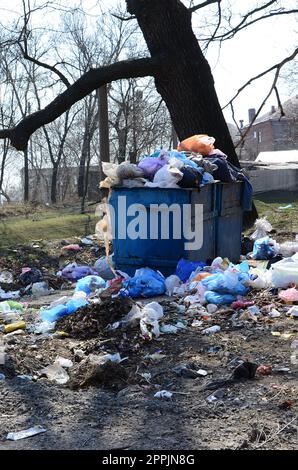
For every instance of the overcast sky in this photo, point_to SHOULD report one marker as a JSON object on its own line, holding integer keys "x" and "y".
{"x": 248, "y": 54}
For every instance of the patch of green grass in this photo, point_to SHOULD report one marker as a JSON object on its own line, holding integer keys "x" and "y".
{"x": 268, "y": 205}
{"x": 18, "y": 230}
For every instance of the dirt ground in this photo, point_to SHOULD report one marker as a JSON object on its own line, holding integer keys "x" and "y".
{"x": 114, "y": 407}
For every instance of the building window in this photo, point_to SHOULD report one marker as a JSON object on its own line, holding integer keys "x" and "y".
{"x": 259, "y": 136}
{"x": 255, "y": 135}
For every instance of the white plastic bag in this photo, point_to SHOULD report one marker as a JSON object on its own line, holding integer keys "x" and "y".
{"x": 262, "y": 228}
{"x": 285, "y": 272}
{"x": 166, "y": 177}
{"x": 172, "y": 282}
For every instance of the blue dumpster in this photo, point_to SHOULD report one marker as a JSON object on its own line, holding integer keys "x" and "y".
{"x": 156, "y": 227}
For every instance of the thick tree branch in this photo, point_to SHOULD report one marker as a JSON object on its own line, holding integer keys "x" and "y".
{"x": 89, "y": 82}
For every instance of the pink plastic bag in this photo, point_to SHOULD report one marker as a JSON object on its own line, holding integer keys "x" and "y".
{"x": 289, "y": 295}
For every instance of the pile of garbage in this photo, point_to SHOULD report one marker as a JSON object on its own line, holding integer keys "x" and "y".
{"x": 194, "y": 164}
{"x": 195, "y": 286}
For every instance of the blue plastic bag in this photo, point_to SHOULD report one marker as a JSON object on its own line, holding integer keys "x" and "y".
{"x": 262, "y": 249}
{"x": 89, "y": 284}
{"x": 185, "y": 268}
{"x": 226, "y": 283}
{"x": 51, "y": 315}
{"x": 219, "y": 299}
{"x": 145, "y": 283}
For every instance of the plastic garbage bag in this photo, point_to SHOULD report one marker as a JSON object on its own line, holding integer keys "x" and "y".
{"x": 262, "y": 228}
{"x": 103, "y": 268}
{"x": 207, "y": 178}
{"x": 219, "y": 299}
{"x": 145, "y": 283}
{"x": 200, "y": 143}
{"x": 182, "y": 158}
{"x": 129, "y": 170}
{"x": 39, "y": 289}
{"x": 260, "y": 279}
{"x": 289, "y": 295}
{"x": 172, "y": 282}
{"x": 151, "y": 165}
{"x": 263, "y": 249}
{"x": 149, "y": 325}
{"x": 185, "y": 268}
{"x": 191, "y": 178}
{"x": 51, "y": 315}
{"x": 30, "y": 276}
{"x": 110, "y": 170}
{"x": 288, "y": 249}
{"x": 9, "y": 295}
{"x": 90, "y": 284}
{"x": 73, "y": 272}
{"x": 227, "y": 282}
{"x": 166, "y": 177}
{"x": 285, "y": 272}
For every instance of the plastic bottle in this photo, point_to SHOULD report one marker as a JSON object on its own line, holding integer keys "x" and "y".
{"x": 294, "y": 354}
{"x": 21, "y": 325}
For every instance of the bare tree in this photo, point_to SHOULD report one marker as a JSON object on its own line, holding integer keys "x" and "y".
{"x": 181, "y": 73}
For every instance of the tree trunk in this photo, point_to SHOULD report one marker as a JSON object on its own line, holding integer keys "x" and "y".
{"x": 26, "y": 176}
{"x": 54, "y": 184}
{"x": 185, "y": 81}
{"x": 83, "y": 159}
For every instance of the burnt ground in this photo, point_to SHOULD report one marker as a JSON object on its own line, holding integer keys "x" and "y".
{"x": 113, "y": 406}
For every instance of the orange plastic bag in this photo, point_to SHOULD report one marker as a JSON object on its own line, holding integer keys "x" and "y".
{"x": 200, "y": 143}
{"x": 201, "y": 276}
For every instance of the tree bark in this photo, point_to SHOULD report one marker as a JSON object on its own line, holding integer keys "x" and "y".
{"x": 54, "y": 184}
{"x": 185, "y": 81}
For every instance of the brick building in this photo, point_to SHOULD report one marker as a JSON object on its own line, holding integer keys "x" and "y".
{"x": 271, "y": 132}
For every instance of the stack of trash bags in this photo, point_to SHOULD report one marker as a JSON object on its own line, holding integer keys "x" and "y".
{"x": 194, "y": 164}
